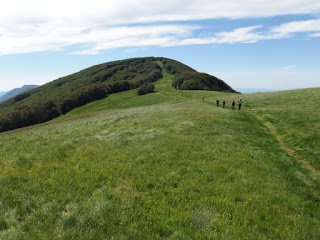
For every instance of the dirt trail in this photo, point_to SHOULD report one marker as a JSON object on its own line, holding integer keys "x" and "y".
{"x": 290, "y": 152}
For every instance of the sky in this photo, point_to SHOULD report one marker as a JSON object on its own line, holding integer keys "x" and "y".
{"x": 249, "y": 43}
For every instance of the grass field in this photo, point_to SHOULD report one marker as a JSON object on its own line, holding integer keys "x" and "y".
{"x": 167, "y": 165}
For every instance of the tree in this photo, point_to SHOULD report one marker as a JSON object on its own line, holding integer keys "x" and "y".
{"x": 145, "y": 89}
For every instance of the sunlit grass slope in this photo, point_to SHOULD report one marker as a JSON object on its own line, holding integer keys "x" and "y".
{"x": 166, "y": 165}
{"x": 296, "y": 117}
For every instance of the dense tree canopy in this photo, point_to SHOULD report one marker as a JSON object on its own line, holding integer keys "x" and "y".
{"x": 191, "y": 80}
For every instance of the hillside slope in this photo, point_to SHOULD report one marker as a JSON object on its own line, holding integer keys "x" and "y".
{"x": 64, "y": 94}
{"x": 166, "y": 165}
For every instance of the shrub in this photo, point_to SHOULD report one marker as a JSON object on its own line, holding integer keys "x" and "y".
{"x": 145, "y": 89}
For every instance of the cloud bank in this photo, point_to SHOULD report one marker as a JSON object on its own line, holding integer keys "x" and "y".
{"x": 95, "y": 26}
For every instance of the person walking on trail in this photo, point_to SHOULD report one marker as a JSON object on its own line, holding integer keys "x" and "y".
{"x": 233, "y": 104}
{"x": 217, "y": 103}
{"x": 240, "y": 103}
{"x": 223, "y": 103}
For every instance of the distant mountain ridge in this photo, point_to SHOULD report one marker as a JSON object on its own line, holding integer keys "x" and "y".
{"x": 14, "y": 92}
{"x": 2, "y": 93}
{"x": 253, "y": 90}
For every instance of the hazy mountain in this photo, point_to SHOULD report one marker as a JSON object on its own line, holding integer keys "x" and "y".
{"x": 2, "y": 93}
{"x": 15, "y": 92}
{"x": 252, "y": 90}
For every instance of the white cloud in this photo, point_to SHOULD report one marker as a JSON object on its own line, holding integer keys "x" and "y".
{"x": 120, "y": 11}
{"x": 96, "y": 40}
{"x": 98, "y": 25}
{"x": 297, "y": 27}
{"x": 240, "y": 35}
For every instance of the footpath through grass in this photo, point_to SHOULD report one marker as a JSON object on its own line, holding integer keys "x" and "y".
{"x": 165, "y": 165}
{"x": 296, "y": 119}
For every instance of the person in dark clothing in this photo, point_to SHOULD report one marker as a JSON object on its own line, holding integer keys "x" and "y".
{"x": 217, "y": 103}
{"x": 223, "y": 103}
{"x": 233, "y": 104}
{"x": 240, "y": 103}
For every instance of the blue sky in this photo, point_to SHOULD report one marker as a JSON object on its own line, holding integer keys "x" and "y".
{"x": 249, "y": 43}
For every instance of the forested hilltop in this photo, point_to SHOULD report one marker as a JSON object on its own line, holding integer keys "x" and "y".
{"x": 97, "y": 82}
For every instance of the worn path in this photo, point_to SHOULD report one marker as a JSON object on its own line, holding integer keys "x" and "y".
{"x": 290, "y": 152}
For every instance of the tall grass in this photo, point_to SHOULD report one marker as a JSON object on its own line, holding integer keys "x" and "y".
{"x": 296, "y": 117}
{"x": 165, "y": 165}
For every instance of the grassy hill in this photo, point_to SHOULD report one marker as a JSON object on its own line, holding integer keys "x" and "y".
{"x": 64, "y": 94}
{"x": 166, "y": 165}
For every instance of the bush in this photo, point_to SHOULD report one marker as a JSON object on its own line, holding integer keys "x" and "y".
{"x": 145, "y": 89}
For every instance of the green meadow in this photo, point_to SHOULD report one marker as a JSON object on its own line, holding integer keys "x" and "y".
{"x": 167, "y": 165}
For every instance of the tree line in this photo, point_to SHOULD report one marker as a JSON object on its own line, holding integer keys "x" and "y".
{"x": 199, "y": 81}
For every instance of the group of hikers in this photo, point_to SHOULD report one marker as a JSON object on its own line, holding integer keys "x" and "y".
{"x": 233, "y": 103}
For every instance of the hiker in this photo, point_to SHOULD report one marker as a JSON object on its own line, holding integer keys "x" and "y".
{"x": 217, "y": 103}
{"x": 240, "y": 103}
{"x": 202, "y": 99}
{"x": 233, "y": 104}
{"x": 223, "y": 103}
